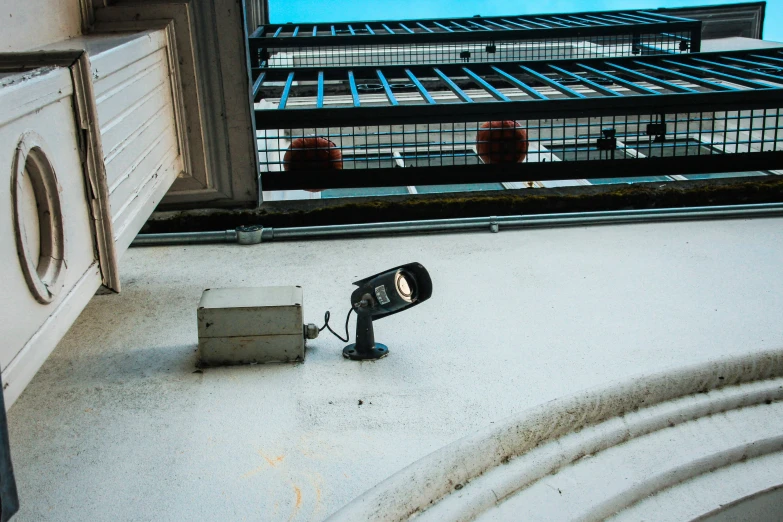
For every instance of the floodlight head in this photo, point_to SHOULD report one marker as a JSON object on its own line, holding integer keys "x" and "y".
{"x": 382, "y": 295}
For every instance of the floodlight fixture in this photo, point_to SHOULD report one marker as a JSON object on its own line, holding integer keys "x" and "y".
{"x": 382, "y": 295}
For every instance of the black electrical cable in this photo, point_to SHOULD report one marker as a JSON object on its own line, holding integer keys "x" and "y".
{"x": 327, "y": 315}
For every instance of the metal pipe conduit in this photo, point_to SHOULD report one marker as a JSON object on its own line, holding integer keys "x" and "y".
{"x": 186, "y": 238}
{"x": 257, "y": 234}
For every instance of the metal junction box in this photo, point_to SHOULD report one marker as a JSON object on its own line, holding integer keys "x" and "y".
{"x": 250, "y": 325}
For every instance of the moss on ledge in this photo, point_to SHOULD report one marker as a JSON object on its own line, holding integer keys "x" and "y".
{"x": 766, "y": 189}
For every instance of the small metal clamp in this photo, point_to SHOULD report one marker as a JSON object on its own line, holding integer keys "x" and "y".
{"x": 249, "y": 235}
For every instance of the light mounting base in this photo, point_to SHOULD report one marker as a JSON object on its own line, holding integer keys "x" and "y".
{"x": 365, "y": 348}
{"x": 376, "y": 351}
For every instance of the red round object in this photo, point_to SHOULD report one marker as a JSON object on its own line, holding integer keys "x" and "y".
{"x": 501, "y": 142}
{"x": 312, "y": 154}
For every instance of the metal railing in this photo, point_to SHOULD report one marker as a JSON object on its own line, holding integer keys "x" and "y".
{"x": 524, "y": 121}
{"x": 512, "y": 38}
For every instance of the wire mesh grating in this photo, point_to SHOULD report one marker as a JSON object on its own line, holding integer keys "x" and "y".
{"x": 587, "y": 119}
{"x": 604, "y": 146}
{"x": 488, "y": 50}
{"x": 472, "y": 40}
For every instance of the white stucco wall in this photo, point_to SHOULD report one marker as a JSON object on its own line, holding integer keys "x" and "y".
{"x": 120, "y": 425}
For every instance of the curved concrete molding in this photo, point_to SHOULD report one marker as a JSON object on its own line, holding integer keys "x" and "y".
{"x": 473, "y": 475}
{"x": 727, "y": 493}
{"x": 613, "y": 479}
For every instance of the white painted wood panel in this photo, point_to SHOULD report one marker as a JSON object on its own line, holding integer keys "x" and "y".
{"x": 32, "y": 24}
{"x": 220, "y": 164}
{"x": 134, "y": 117}
{"x": 110, "y": 79}
{"x": 42, "y": 102}
{"x": 141, "y": 117}
{"x": 147, "y": 165}
{"x": 137, "y": 210}
{"x": 118, "y": 90}
{"x": 120, "y": 164}
{"x": 115, "y": 104}
{"x": 139, "y": 131}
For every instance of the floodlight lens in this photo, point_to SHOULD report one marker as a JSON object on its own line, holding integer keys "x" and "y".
{"x": 405, "y": 285}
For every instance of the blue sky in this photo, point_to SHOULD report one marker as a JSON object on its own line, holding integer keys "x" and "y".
{"x": 282, "y": 11}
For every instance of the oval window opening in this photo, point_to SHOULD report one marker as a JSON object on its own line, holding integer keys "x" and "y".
{"x": 38, "y": 219}
{"x": 31, "y": 225}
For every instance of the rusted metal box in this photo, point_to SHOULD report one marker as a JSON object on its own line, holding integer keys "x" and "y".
{"x": 250, "y": 325}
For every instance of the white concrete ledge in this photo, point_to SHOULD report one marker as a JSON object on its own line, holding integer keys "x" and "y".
{"x": 517, "y": 320}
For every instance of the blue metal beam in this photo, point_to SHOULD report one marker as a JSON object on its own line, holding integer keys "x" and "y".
{"x": 320, "y": 102}
{"x": 730, "y": 77}
{"x": 597, "y": 87}
{"x": 569, "y": 22}
{"x": 286, "y": 91}
{"x": 758, "y": 74}
{"x": 619, "y": 81}
{"x": 491, "y": 90}
{"x": 354, "y": 92}
{"x": 443, "y": 27}
{"x": 480, "y": 26}
{"x": 606, "y": 20}
{"x": 552, "y": 83}
{"x": 590, "y": 21}
{"x": 688, "y": 77}
{"x": 749, "y": 62}
{"x": 520, "y": 84}
{"x": 386, "y": 87}
{"x": 526, "y": 21}
{"x": 561, "y": 24}
{"x": 642, "y": 18}
{"x": 453, "y": 86}
{"x": 626, "y": 20}
{"x": 499, "y": 25}
{"x": 257, "y": 86}
{"x": 770, "y": 58}
{"x": 669, "y": 17}
{"x": 422, "y": 90}
{"x": 462, "y": 27}
{"x": 651, "y": 79}
{"x": 515, "y": 23}
{"x": 636, "y": 19}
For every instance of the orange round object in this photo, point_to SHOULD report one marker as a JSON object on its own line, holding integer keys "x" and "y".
{"x": 501, "y": 142}
{"x": 312, "y": 154}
